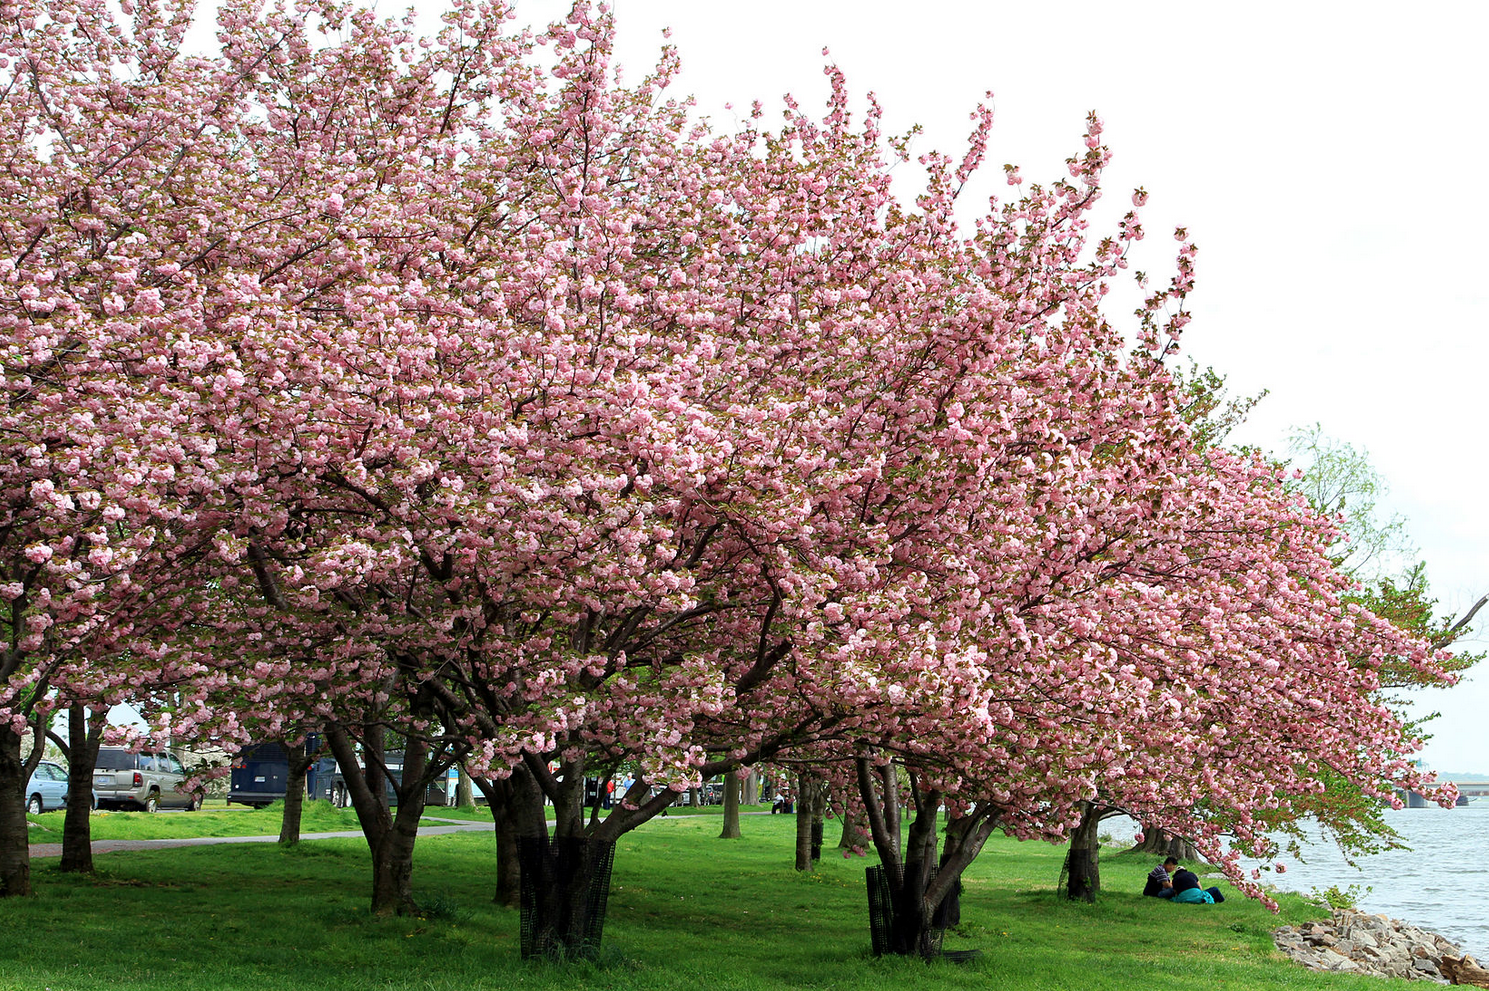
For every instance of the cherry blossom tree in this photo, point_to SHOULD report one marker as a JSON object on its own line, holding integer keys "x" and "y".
{"x": 1194, "y": 676}
{"x": 1376, "y": 552}
{"x": 505, "y": 406}
{"x": 625, "y": 441}
{"x": 102, "y": 451}
{"x": 142, "y": 222}
{"x": 1335, "y": 801}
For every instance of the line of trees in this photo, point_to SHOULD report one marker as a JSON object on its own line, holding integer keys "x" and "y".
{"x": 460, "y": 391}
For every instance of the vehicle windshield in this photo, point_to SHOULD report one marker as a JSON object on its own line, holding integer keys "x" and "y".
{"x": 115, "y": 760}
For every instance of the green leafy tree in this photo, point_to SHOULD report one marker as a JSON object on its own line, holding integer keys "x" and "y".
{"x": 1337, "y": 478}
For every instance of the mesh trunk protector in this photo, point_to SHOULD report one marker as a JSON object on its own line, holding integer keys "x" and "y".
{"x": 881, "y": 919}
{"x": 551, "y": 872}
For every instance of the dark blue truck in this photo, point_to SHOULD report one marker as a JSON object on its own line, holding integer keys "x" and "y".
{"x": 261, "y": 771}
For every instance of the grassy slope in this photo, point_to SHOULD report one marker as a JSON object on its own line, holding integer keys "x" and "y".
{"x": 686, "y": 909}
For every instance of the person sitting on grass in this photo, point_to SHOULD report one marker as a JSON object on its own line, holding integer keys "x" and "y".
{"x": 1188, "y": 892}
{"x": 1159, "y": 884}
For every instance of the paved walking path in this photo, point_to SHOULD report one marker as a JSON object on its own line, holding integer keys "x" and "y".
{"x": 112, "y": 846}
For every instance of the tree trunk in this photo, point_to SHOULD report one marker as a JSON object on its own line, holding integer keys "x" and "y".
{"x": 819, "y": 811}
{"x": 1162, "y": 843}
{"x": 390, "y": 838}
{"x": 731, "y": 808}
{"x": 959, "y": 832}
{"x": 1181, "y": 848}
{"x": 911, "y": 931}
{"x": 749, "y": 793}
{"x": 504, "y": 805}
{"x": 508, "y": 864}
{"x": 464, "y": 797}
{"x": 806, "y": 789}
{"x": 916, "y": 894}
{"x": 1083, "y": 861}
{"x": 15, "y": 841}
{"x": 566, "y": 879}
{"x": 393, "y": 856}
{"x": 565, "y": 887}
{"x": 84, "y": 734}
{"x": 855, "y": 836}
{"x": 294, "y": 792}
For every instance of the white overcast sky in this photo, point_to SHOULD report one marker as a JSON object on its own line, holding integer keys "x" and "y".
{"x": 1328, "y": 158}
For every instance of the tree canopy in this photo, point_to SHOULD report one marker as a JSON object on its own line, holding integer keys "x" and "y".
{"x": 461, "y": 389}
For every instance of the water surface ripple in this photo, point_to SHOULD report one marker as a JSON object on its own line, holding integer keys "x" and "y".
{"x": 1441, "y": 884}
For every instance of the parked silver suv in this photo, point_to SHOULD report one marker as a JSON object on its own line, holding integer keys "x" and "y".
{"x": 140, "y": 781}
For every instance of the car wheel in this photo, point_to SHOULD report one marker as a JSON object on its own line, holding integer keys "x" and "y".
{"x": 33, "y": 806}
{"x": 152, "y": 804}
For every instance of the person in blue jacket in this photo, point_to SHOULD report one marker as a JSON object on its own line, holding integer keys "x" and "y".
{"x": 1188, "y": 892}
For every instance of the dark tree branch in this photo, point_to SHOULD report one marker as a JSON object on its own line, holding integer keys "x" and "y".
{"x": 1453, "y": 632}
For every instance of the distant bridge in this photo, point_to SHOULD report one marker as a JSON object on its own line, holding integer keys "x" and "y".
{"x": 1467, "y": 788}
{"x": 1472, "y": 787}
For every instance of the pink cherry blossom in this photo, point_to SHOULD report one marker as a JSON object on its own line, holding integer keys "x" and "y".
{"x": 510, "y": 407}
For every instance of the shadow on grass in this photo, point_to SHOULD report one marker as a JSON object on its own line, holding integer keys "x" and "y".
{"x": 686, "y": 910}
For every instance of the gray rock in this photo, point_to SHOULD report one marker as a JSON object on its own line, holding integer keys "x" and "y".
{"x": 1369, "y": 944}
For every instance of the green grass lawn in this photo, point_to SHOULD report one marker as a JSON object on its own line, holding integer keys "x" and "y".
{"x": 686, "y": 910}
{"x": 318, "y": 817}
{"x": 218, "y": 819}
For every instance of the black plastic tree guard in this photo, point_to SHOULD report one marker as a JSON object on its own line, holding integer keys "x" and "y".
{"x": 881, "y": 910}
{"x": 882, "y": 918}
{"x": 565, "y": 888}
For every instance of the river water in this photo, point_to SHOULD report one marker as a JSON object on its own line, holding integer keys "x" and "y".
{"x": 1441, "y": 884}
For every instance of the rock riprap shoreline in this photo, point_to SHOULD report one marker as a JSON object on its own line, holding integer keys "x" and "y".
{"x": 1360, "y": 943}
